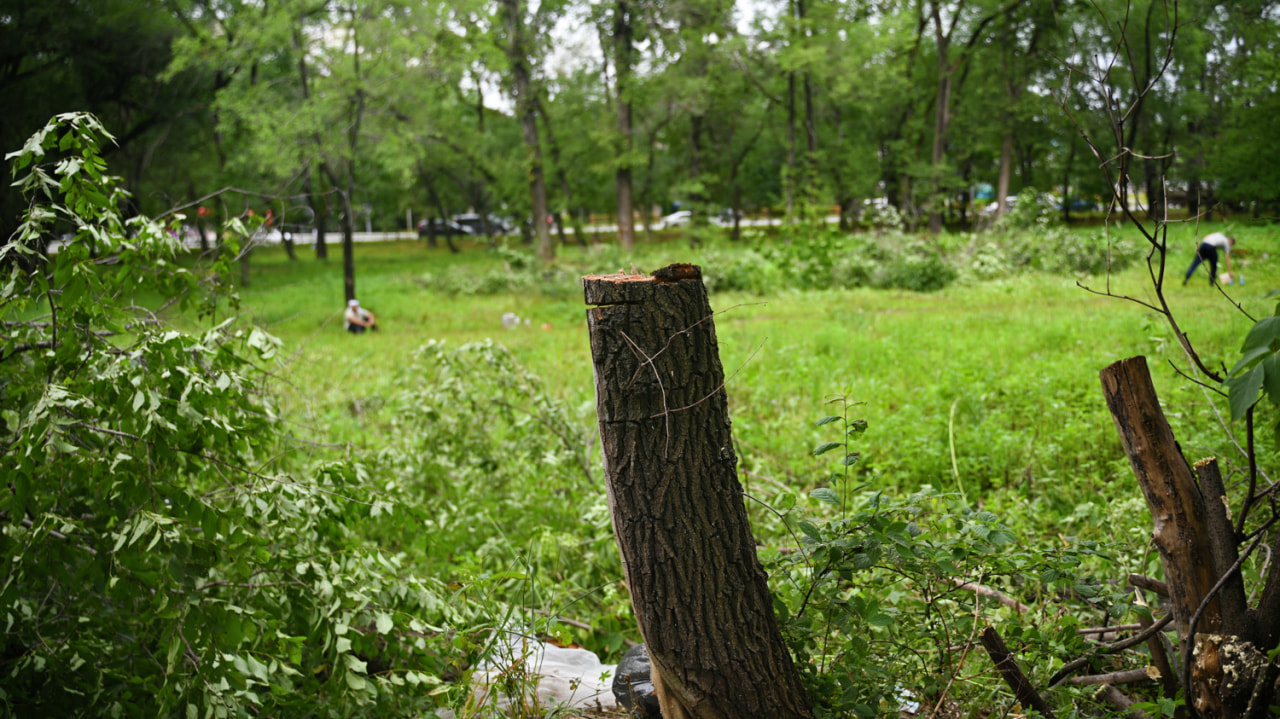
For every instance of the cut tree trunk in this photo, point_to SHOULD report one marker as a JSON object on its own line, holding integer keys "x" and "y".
{"x": 699, "y": 593}
{"x": 1229, "y": 673}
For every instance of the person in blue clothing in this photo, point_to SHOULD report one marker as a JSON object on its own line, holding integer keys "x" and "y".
{"x": 1208, "y": 252}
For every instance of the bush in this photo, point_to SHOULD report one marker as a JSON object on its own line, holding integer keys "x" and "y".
{"x": 160, "y": 554}
{"x": 918, "y": 267}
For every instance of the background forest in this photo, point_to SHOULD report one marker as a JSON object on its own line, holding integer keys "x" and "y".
{"x": 220, "y": 504}
{"x": 379, "y": 110}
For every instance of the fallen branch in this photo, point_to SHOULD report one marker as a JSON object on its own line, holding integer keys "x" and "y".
{"x": 990, "y": 593}
{"x": 1013, "y": 676}
{"x": 1126, "y": 676}
{"x": 578, "y": 624}
{"x": 1117, "y": 699}
{"x": 1142, "y": 636}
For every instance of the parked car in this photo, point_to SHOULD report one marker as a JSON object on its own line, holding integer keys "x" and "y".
{"x": 443, "y": 228}
{"x": 675, "y": 219}
{"x": 471, "y": 221}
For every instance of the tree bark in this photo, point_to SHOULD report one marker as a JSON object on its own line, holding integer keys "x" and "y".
{"x": 1226, "y": 668}
{"x": 699, "y": 593}
{"x": 1012, "y": 673}
{"x": 526, "y": 108}
{"x": 1179, "y": 532}
{"x": 622, "y": 36}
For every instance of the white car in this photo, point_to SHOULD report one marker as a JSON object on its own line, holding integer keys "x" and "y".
{"x": 675, "y": 219}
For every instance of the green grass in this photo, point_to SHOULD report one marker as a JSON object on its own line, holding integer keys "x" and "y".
{"x": 986, "y": 389}
{"x": 1005, "y": 373}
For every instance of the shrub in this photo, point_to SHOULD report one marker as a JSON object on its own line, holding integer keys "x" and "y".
{"x": 159, "y": 555}
{"x": 918, "y": 267}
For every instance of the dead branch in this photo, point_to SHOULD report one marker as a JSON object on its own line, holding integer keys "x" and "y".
{"x": 1071, "y": 667}
{"x": 1117, "y": 699}
{"x": 1013, "y": 676}
{"x": 990, "y": 593}
{"x": 1125, "y": 676}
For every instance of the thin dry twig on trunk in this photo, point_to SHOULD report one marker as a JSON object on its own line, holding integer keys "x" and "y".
{"x": 1142, "y": 581}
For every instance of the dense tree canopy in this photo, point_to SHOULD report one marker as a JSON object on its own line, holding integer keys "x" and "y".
{"x": 363, "y": 109}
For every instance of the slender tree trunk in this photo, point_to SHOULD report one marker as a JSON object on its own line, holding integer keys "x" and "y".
{"x": 938, "y": 153}
{"x": 698, "y": 591}
{"x": 695, "y": 173}
{"x": 622, "y": 39}
{"x": 811, "y": 156}
{"x": 319, "y": 207}
{"x": 1006, "y": 172}
{"x": 525, "y": 108}
{"x": 790, "y": 185}
{"x": 562, "y": 177}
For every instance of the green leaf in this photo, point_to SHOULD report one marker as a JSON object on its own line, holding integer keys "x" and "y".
{"x": 355, "y": 664}
{"x": 785, "y": 501}
{"x": 827, "y": 495}
{"x": 827, "y": 420}
{"x": 826, "y": 447}
{"x": 809, "y": 529}
{"x": 1242, "y": 392}
{"x": 1263, "y": 334}
{"x": 384, "y": 623}
{"x": 1271, "y": 378}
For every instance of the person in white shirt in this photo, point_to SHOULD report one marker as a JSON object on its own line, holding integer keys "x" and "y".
{"x": 358, "y": 319}
{"x": 1208, "y": 252}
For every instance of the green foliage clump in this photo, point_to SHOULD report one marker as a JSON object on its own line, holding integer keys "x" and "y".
{"x": 918, "y": 267}
{"x": 158, "y": 554}
{"x": 883, "y": 598}
{"x": 500, "y": 478}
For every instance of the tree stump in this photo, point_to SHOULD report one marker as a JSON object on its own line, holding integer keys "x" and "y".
{"x": 698, "y": 591}
{"x": 1229, "y": 672}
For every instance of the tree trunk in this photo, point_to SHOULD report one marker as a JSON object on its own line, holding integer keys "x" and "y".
{"x": 938, "y": 153}
{"x": 622, "y": 34}
{"x": 790, "y": 184}
{"x": 698, "y": 197}
{"x": 320, "y": 210}
{"x": 525, "y": 107}
{"x": 697, "y": 589}
{"x": 1228, "y": 673}
{"x": 348, "y": 245}
{"x": 1006, "y": 171}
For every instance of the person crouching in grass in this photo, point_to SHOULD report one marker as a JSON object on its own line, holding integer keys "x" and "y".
{"x": 358, "y": 319}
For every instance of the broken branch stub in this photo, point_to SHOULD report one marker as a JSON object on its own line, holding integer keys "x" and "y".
{"x": 698, "y": 591}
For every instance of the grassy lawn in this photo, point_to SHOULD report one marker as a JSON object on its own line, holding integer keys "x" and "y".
{"x": 989, "y": 388}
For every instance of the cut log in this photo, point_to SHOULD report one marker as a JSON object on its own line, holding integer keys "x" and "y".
{"x": 698, "y": 591}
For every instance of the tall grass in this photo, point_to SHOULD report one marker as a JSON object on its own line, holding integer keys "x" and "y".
{"x": 990, "y": 387}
